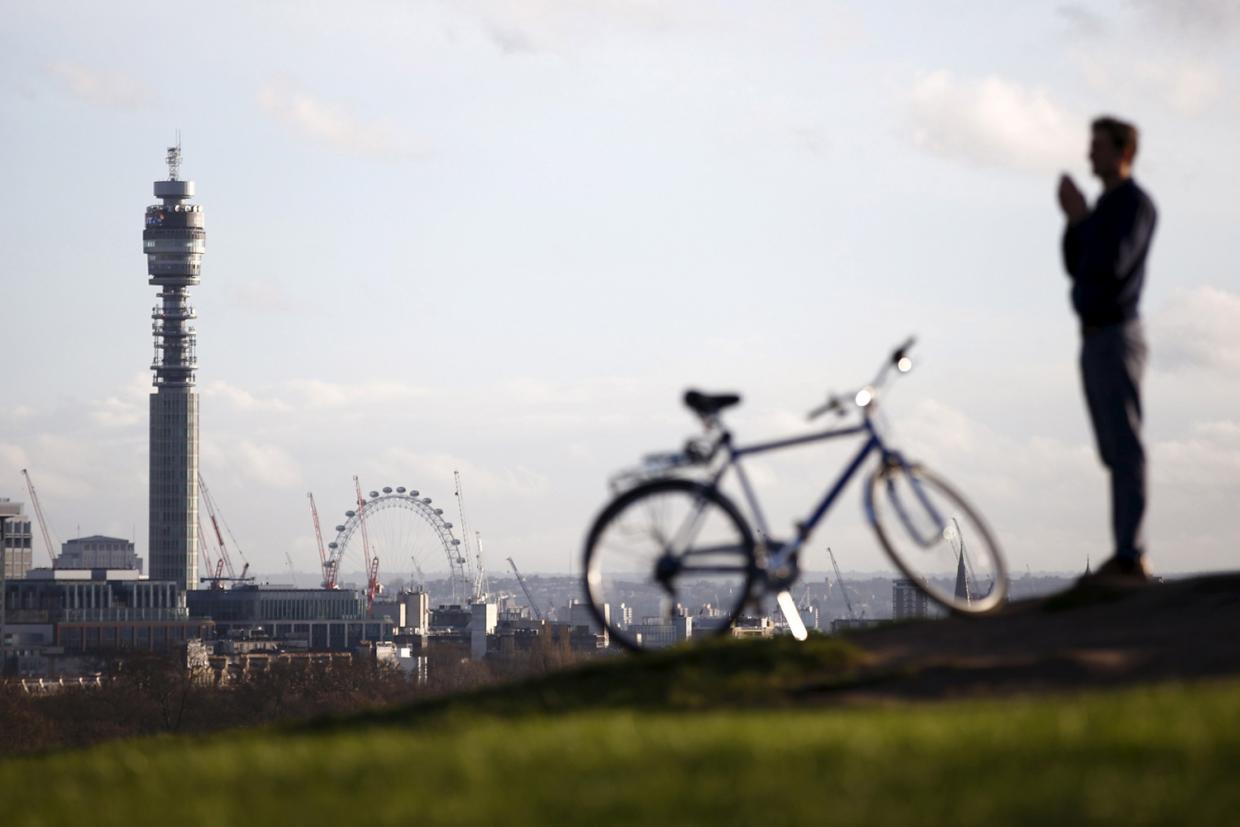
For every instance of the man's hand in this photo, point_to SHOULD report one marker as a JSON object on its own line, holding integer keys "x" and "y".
{"x": 1071, "y": 200}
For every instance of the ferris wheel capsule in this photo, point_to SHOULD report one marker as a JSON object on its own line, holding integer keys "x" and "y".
{"x": 387, "y": 489}
{"x": 350, "y": 514}
{"x": 374, "y": 494}
{"x": 339, "y": 529}
{"x": 413, "y": 492}
{"x": 400, "y": 489}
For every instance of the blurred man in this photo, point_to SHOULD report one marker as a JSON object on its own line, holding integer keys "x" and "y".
{"x": 1104, "y": 252}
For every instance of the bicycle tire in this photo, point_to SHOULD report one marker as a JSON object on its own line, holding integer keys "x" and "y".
{"x": 937, "y": 539}
{"x": 630, "y": 556}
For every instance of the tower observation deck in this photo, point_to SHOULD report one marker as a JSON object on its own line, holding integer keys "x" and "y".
{"x": 174, "y": 241}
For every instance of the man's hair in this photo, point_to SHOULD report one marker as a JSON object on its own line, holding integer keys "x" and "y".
{"x": 1122, "y": 134}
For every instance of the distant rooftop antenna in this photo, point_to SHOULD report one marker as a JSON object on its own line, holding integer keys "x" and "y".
{"x": 174, "y": 159}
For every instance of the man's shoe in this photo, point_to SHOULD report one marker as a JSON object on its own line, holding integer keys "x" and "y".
{"x": 1120, "y": 571}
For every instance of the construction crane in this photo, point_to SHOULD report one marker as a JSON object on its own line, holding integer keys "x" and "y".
{"x": 481, "y": 586}
{"x": 222, "y": 547}
{"x": 372, "y": 585}
{"x": 38, "y": 511}
{"x": 478, "y": 576}
{"x": 225, "y": 559}
{"x": 372, "y": 564}
{"x": 419, "y": 577}
{"x": 804, "y": 603}
{"x": 329, "y": 568}
{"x": 525, "y": 588}
{"x": 232, "y": 538}
{"x": 839, "y": 578}
{"x": 203, "y": 552}
{"x": 292, "y": 575}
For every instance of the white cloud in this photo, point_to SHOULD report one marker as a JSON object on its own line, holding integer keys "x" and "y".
{"x": 101, "y": 87}
{"x": 267, "y": 464}
{"x": 1168, "y": 53}
{"x": 512, "y": 40}
{"x": 1189, "y": 87}
{"x": 62, "y": 466}
{"x": 116, "y": 413}
{"x": 532, "y": 26}
{"x": 18, "y": 413}
{"x": 1184, "y": 84}
{"x": 335, "y": 125}
{"x": 1208, "y": 456}
{"x": 1083, "y": 20}
{"x": 126, "y": 408}
{"x": 993, "y": 121}
{"x": 263, "y": 297}
{"x": 433, "y": 471}
{"x": 1206, "y": 19}
{"x": 1198, "y": 328}
{"x": 13, "y": 457}
{"x": 320, "y": 394}
{"x": 241, "y": 399}
{"x": 306, "y": 394}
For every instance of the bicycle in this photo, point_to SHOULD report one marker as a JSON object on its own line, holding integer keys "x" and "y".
{"x": 667, "y": 536}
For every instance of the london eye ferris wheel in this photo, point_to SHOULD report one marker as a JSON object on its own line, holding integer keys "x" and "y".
{"x": 400, "y": 529}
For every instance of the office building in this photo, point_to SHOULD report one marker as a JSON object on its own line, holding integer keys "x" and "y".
{"x": 908, "y": 601}
{"x": 98, "y": 552}
{"x": 18, "y": 541}
{"x": 323, "y": 619}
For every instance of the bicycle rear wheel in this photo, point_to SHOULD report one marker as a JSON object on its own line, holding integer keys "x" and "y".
{"x": 667, "y": 560}
{"x": 936, "y": 539}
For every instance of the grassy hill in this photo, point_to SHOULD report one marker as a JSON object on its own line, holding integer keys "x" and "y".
{"x": 752, "y": 732}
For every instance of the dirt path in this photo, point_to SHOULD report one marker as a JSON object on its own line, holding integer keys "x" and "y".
{"x": 1084, "y": 637}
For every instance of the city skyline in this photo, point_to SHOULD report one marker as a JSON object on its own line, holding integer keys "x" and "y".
{"x": 503, "y": 238}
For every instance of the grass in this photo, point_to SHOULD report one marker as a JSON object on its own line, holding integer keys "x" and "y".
{"x": 657, "y": 741}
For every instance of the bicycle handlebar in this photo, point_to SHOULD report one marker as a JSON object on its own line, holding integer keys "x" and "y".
{"x": 864, "y": 397}
{"x": 834, "y": 403}
{"x": 902, "y": 351}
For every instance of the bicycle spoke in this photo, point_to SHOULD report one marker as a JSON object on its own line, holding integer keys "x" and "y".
{"x": 957, "y": 564}
{"x": 661, "y": 552}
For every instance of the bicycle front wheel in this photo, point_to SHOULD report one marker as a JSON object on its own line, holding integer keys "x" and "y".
{"x": 668, "y": 560}
{"x": 936, "y": 539}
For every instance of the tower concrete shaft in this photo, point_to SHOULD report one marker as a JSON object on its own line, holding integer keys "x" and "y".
{"x": 174, "y": 241}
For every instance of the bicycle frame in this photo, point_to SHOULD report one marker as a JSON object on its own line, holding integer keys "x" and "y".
{"x": 779, "y": 556}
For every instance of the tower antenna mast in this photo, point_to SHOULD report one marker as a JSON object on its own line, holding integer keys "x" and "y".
{"x": 174, "y": 160}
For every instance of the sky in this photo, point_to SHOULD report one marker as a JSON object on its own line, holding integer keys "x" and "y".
{"x": 503, "y": 238}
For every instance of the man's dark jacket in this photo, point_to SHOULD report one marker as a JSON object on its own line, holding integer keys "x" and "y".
{"x": 1105, "y": 253}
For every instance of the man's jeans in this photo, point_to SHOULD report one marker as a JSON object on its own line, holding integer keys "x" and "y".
{"x": 1112, "y": 362}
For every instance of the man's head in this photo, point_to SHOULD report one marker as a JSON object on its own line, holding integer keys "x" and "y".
{"x": 1112, "y": 148}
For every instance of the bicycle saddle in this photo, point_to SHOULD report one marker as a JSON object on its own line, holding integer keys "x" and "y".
{"x": 707, "y": 404}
